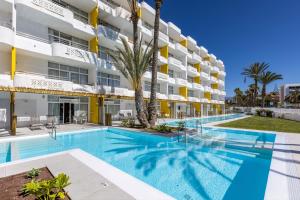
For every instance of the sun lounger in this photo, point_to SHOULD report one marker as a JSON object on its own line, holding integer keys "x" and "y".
{"x": 35, "y": 124}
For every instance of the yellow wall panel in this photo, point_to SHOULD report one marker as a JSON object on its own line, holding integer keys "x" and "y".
{"x": 94, "y": 110}
{"x": 13, "y": 63}
{"x": 164, "y": 52}
{"x": 183, "y": 91}
{"x": 164, "y": 69}
{"x": 94, "y": 17}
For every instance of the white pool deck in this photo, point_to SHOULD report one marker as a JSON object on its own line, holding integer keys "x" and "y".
{"x": 283, "y": 181}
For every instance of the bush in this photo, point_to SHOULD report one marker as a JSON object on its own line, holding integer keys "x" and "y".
{"x": 269, "y": 113}
{"x": 264, "y": 113}
{"x": 33, "y": 173}
{"x": 47, "y": 189}
{"x": 163, "y": 128}
{"x": 128, "y": 123}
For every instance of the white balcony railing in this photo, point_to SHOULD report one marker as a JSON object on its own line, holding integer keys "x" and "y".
{"x": 189, "y": 85}
{"x": 193, "y": 99}
{"x": 213, "y": 79}
{"x": 181, "y": 82}
{"x": 176, "y": 97}
{"x": 5, "y": 80}
{"x": 204, "y": 76}
{"x": 198, "y": 86}
{"x": 181, "y": 48}
{"x": 193, "y": 70}
{"x": 196, "y": 57}
{"x": 176, "y": 63}
{"x": 171, "y": 81}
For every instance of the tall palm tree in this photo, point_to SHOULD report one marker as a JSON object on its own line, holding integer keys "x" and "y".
{"x": 238, "y": 96}
{"x": 254, "y": 71}
{"x": 152, "y": 105}
{"x": 133, "y": 64}
{"x": 266, "y": 78}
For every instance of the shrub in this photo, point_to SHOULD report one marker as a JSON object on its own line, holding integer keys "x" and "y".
{"x": 259, "y": 112}
{"x": 269, "y": 113}
{"x": 47, "y": 189}
{"x": 128, "y": 123}
{"x": 33, "y": 173}
{"x": 163, "y": 128}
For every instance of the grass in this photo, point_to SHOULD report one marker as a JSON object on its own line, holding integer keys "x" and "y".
{"x": 265, "y": 123}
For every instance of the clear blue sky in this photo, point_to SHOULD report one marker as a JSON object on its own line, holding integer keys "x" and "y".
{"x": 241, "y": 32}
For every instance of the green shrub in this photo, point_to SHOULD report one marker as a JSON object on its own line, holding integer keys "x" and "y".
{"x": 269, "y": 113}
{"x": 47, "y": 189}
{"x": 259, "y": 112}
{"x": 33, "y": 173}
{"x": 163, "y": 128}
{"x": 128, "y": 123}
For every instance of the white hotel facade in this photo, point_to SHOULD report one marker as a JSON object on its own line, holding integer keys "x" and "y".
{"x": 54, "y": 61}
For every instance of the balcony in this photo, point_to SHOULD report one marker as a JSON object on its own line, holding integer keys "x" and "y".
{"x": 73, "y": 53}
{"x": 183, "y": 50}
{"x": 161, "y": 77}
{"x": 42, "y": 82}
{"x": 176, "y": 97}
{"x": 207, "y": 89}
{"x": 108, "y": 36}
{"x": 192, "y": 71}
{"x": 221, "y": 83}
{"x": 171, "y": 81}
{"x": 7, "y": 34}
{"x": 197, "y": 86}
{"x": 193, "y": 99}
{"x": 204, "y": 76}
{"x": 213, "y": 79}
{"x": 196, "y": 57}
{"x": 163, "y": 39}
{"x": 53, "y": 15}
{"x": 173, "y": 62}
{"x": 222, "y": 73}
{"x": 147, "y": 34}
{"x": 5, "y": 80}
{"x": 215, "y": 70}
{"x": 117, "y": 91}
{"x": 181, "y": 82}
{"x": 189, "y": 85}
{"x": 162, "y": 60}
{"x": 215, "y": 91}
{"x": 222, "y": 93}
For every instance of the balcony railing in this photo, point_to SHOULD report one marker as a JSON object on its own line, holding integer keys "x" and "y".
{"x": 108, "y": 33}
{"x": 181, "y": 48}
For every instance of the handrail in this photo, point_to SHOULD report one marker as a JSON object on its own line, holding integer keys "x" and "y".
{"x": 19, "y": 33}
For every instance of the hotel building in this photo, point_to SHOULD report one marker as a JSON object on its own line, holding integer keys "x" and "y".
{"x": 285, "y": 90}
{"x": 54, "y": 61}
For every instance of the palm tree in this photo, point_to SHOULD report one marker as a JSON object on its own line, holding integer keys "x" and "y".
{"x": 133, "y": 64}
{"x": 254, "y": 71}
{"x": 293, "y": 97}
{"x": 134, "y": 8}
{"x": 152, "y": 105}
{"x": 266, "y": 78}
{"x": 238, "y": 96}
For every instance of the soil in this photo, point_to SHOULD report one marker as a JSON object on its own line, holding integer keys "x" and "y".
{"x": 11, "y": 186}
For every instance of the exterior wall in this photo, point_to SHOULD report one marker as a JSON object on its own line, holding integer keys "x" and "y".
{"x": 29, "y": 33}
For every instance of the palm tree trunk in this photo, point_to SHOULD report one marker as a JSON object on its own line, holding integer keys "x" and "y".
{"x": 152, "y": 113}
{"x": 263, "y": 95}
{"x": 255, "y": 92}
{"x": 139, "y": 104}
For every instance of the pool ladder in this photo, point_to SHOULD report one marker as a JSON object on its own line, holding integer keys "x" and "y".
{"x": 53, "y": 130}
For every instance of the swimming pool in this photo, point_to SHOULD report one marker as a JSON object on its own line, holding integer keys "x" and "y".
{"x": 192, "y": 123}
{"x": 184, "y": 170}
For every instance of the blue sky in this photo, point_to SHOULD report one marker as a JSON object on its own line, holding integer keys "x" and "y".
{"x": 241, "y": 32}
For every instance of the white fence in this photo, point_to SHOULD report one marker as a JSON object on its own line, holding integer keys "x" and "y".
{"x": 291, "y": 114}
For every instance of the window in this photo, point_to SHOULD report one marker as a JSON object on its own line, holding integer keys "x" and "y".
{"x": 170, "y": 90}
{"x": 68, "y": 73}
{"x": 147, "y": 86}
{"x": 112, "y": 106}
{"x": 108, "y": 79}
{"x": 190, "y": 79}
{"x": 171, "y": 73}
{"x": 57, "y": 36}
{"x": 190, "y": 93}
{"x": 108, "y": 30}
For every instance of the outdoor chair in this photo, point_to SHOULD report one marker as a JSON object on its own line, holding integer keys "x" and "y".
{"x": 35, "y": 123}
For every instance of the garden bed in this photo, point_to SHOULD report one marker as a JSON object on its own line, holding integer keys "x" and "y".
{"x": 11, "y": 186}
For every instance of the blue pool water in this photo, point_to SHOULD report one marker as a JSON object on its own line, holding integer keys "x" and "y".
{"x": 184, "y": 170}
{"x": 192, "y": 123}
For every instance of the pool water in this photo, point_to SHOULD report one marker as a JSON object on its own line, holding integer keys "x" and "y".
{"x": 185, "y": 170}
{"x": 194, "y": 122}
